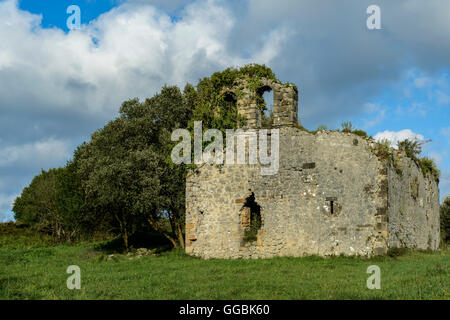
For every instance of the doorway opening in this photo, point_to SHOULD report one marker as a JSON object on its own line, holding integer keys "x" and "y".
{"x": 251, "y": 219}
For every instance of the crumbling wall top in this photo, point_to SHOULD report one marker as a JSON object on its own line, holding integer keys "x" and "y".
{"x": 250, "y": 103}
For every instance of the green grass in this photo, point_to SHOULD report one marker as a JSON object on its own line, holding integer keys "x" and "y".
{"x": 15, "y": 235}
{"x": 40, "y": 273}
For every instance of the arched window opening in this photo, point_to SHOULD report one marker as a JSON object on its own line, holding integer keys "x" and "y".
{"x": 265, "y": 102}
{"x": 230, "y": 100}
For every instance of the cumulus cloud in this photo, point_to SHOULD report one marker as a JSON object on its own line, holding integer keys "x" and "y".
{"x": 126, "y": 52}
{"x": 395, "y": 136}
{"x": 59, "y": 87}
{"x": 169, "y": 5}
{"x": 131, "y": 51}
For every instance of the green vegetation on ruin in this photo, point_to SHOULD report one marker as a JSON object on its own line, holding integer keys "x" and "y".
{"x": 383, "y": 150}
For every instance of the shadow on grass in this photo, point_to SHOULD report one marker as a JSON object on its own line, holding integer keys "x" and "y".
{"x": 150, "y": 240}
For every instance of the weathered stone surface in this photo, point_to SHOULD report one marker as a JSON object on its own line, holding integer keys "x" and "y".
{"x": 413, "y": 208}
{"x": 330, "y": 196}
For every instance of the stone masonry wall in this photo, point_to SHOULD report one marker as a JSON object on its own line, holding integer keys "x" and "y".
{"x": 413, "y": 207}
{"x": 295, "y": 203}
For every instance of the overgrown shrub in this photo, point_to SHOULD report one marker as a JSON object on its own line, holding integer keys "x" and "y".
{"x": 383, "y": 150}
{"x": 412, "y": 148}
{"x": 347, "y": 126}
{"x": 360, "y": 133}
{"x": 252, "y": 232}
{"x": 428, "y": 166}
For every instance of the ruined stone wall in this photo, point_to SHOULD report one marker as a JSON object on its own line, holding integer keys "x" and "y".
{"x": 332, "y": 195}
{"x": 285, "y": 102}
{"x": 413, "y": 207}
{"x": 295, "y": 203}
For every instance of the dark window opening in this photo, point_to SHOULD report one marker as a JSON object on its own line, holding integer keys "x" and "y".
{"x": 251, "y": 219}
{"x": 230, "y": 100}
{"x": 334, "y": 207}
{"x": 309, "y": 165}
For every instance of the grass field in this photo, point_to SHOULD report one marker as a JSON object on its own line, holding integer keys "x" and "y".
{"x": 40, "y": 273}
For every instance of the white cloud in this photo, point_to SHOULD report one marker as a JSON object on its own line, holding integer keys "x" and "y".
{"x": 274, "y": 42}
{"x": 163, "y": 4}
{"x": 45, "y": 153}
{"x": 137, "y": 49}
{"x": 134, "y": 49}
{"x": 395, "y": 137}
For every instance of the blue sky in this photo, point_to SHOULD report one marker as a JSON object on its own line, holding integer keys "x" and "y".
{"x": 54, "y": 12}
{"x": 58, "y": 86}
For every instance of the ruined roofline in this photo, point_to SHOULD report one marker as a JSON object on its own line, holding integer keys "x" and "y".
{"x": 391, "y": 156}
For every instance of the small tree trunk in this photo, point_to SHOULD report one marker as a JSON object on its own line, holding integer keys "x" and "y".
{"x": 180, "y": 235}
{"x": 125, "y": 238}
{"x": 123, "y": 231}
{"x": 179, "y": 229}
{"x": 176, "y": 227}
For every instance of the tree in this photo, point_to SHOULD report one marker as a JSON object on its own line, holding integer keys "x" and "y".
{"x": 126, "y": 168}
{"x": 78, "y": 219}
{"x": 37, "y": 206}
{"x": 54, "y": 203}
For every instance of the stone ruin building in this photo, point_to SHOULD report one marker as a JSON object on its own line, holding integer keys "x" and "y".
{"x": 332, "y": 194}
